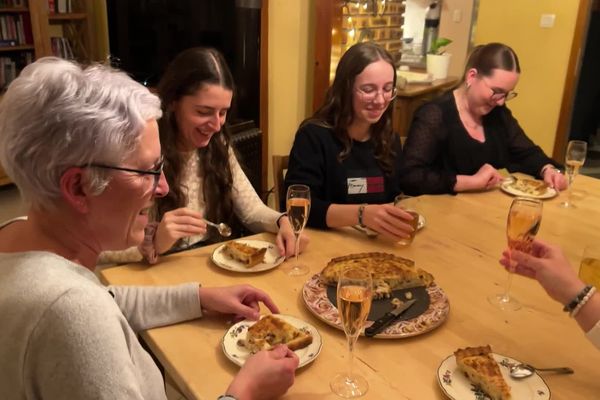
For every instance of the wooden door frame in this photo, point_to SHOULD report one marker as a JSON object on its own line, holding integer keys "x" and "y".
{"x": 561, "y": 137}
{"x": 328, "y": 15}
{"x": 263, "y": 122}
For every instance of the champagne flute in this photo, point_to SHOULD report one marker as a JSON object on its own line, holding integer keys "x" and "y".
{"x": 574, "y": 159}
{"x": 298, "y": 209}
{"x": 524, "y": 219}
{"x": 354, "y": 296}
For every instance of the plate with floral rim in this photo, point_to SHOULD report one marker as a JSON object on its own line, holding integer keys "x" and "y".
{"x": 457, "y": 386}
{"x": 239, "y": 354}
{"x": 271, "y": 260}
{"x": 316, "y": 299}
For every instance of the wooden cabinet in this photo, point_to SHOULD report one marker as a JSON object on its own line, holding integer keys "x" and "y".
{"x": 412, "y": 97}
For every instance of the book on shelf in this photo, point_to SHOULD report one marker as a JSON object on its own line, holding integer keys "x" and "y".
{"x": 7, "y": 43}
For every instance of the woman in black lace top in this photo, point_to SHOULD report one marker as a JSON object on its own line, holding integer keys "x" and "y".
{"x": 459, "y": 141}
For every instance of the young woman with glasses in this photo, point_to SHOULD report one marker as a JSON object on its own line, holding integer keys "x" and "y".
{"x": 459, "y": 141}
{"x": 347, "y": 152}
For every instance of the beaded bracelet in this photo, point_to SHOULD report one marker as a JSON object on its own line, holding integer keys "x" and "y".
{"x": 573, "y": 304}
{"x": 582, "y": 302}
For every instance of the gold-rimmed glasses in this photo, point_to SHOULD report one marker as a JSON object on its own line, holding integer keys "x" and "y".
{"x": 498, "y": 94}
{"x": 368, "y": 94}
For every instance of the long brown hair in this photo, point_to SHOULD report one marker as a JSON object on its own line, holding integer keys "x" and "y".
{"x": 186, "y": 74}
{"x": 337, "y": 112}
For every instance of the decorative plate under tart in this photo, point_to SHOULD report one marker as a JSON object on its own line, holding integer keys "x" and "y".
{"x": 320, "y": 303}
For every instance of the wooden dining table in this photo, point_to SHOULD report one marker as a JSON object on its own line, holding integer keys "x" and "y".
{"x": 460, "y": 245}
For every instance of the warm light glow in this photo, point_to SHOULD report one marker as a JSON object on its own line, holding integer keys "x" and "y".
{"x": 351, "y": 33}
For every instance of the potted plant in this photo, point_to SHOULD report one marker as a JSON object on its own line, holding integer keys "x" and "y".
{"x": 438, "y": 60}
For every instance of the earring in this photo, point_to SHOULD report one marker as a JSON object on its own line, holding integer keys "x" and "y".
{"x": 468, "y": 85}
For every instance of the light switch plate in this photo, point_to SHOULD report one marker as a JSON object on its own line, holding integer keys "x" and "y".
{"x": 547, "y": 20}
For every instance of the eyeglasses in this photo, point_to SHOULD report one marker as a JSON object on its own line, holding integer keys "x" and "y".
{"x": 368, "y": 95}
{"x": 499, "y": 94}
{"x": 156, "y": 173}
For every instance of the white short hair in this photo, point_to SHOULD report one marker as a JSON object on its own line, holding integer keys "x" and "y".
{"x": 58, "y": 114}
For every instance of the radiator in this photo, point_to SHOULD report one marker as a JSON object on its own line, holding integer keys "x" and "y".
{"x": 246, "y": 139}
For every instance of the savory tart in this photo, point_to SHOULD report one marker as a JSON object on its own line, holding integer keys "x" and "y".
{"x": 247, "y": 255}
{"x": 389, "y": 272}
{"x": 532, "y": 187}
{"x": 271, "y": 331}
{"x": 482, "y": 370}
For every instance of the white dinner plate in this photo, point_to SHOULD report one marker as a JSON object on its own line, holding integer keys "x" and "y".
{"x": 239, "y": 354}
{"x": 456, "y": 385}
{"x": 506, "y": 187}
{"x": 271, "y": 260}
{"x": 371, "y": 233}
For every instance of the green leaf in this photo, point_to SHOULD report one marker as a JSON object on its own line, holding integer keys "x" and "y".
{"x": 438, "y": 44}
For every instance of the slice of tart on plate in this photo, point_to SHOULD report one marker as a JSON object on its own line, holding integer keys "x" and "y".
{"x": 480, "y": 367}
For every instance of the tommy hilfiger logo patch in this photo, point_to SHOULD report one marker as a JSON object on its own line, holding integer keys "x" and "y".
{"x": 371, "y": 184}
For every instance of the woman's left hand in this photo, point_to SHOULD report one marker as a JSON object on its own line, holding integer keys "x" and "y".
{"x": 240, "y": 300}
{"x": 286, "y": 241}
{"x": 555, "y": 179}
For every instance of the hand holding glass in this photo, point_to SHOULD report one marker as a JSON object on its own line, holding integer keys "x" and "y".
{"x": 354, "y": 296}
{"x": 574, "y": 159}
{"x": 523, "y": 223}
{"x": 298, "y": 209}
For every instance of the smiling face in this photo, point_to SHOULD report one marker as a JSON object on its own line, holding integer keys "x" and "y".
{"x": 487, "y": 92}
{"x": 120, "y": 213}
{"x": 372, "y": 92}
{"x": 201, "y": 115}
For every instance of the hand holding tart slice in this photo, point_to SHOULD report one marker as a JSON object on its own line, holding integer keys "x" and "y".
{"x": 271, "y": 331}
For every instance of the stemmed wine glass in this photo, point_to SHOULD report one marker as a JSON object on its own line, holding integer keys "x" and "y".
{"x": 574, "y": 159}
{"x": 524, "y": 219}
{"x": 354, "y": 296}
{"x": 298, "y": 209}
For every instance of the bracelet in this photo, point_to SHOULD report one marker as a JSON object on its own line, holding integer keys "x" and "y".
{"x": 548, "y": 166}
{"x": 147, "y": 246}
{"x": 226, "y": 397}
{"x": 361, "y": 212}
{"x": 582, "y": 302}
{"x": 575, "y": 302}
{"x": 278, "y": 222}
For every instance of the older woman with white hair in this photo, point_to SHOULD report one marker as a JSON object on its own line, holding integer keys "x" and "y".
{"x": 82, "y": 145}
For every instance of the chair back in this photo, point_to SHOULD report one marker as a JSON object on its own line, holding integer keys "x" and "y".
{"x": 280, "y": 165}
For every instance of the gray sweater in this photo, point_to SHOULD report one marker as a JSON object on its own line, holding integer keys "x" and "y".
{"x": 63, "y": 335}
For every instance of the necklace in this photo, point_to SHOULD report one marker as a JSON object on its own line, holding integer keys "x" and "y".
{"x": 465, "y": 116}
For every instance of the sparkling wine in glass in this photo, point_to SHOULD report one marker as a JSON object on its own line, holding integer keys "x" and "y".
{"x": 574, "y": 159}
{"x": 298, "y": 209}
{"x": 524, "y": 219}
{"x": 354, "y": 296}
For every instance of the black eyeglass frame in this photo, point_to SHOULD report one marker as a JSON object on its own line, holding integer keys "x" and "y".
{"x": 496, "y": 95}
{"x": 155, "y": 172}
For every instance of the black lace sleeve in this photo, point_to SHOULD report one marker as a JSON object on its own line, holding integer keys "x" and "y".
{"x": 423, "y": 171}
